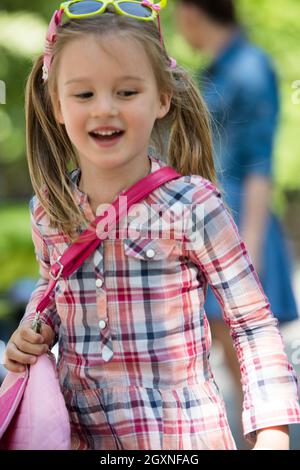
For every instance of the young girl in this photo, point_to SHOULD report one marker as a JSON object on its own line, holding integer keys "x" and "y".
{"x": 134, "y": 341}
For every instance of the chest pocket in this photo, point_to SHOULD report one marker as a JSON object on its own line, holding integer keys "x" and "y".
{"x": 152, "y": 250}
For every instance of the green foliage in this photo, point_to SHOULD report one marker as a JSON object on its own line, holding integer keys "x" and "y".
{"x": 17, "y": 258}
{"x": 275, "y": 27}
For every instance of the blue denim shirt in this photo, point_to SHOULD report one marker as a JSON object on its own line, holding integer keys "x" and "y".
{"x": 240, "y": 89}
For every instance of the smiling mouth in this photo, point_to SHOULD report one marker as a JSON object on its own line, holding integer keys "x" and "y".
{"x": 106, "y": 138}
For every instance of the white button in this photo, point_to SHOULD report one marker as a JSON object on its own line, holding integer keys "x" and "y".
{"x": 99, "y": 282}
{"x": 102, "y": 324}
{"x": 150, "y": 253}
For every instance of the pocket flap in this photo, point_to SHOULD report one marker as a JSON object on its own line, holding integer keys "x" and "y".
{"x": 149, "y": 249}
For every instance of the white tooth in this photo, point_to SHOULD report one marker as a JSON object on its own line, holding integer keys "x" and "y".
{"x": 105, "y": 132}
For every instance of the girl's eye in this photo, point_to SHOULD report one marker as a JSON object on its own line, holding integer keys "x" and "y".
{"x": 125, "y": 93}
{"x": 84, "y": 95}
{"x": 128, "y": 93}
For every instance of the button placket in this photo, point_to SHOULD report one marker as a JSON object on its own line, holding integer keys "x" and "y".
{"x": 106, "y": 346}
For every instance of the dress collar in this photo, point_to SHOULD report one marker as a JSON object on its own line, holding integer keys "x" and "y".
{"x": 82, "y": 198}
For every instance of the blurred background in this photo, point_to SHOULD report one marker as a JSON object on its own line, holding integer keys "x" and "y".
{"x": 272, "y": 25}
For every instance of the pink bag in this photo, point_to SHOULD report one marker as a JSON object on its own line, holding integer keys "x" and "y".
{"x": 33, "y": 413}
{"x": 37, "y": 417}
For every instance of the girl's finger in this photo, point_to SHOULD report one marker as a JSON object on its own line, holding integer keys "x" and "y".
{"x": 35, "y": 349}
{"x": 12, "y": 366}
{"x": 29, "y": 335}
{"x": 14, "y": 354}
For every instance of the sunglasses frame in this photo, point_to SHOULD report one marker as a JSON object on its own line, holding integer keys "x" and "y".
{"x": 65, "y": 7}
{"x": 56, "y": 21}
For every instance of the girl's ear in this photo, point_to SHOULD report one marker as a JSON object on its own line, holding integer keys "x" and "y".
{"x": 165, "y": 103}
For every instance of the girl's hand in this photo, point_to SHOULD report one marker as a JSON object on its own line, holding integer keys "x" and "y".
{"x": 24, "y": 345}
{"x": 275, "y": 438}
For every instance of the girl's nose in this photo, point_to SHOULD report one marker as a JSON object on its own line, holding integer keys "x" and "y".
{"x": 104, "y": 105}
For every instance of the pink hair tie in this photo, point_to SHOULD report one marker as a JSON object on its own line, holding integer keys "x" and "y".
{"x": 49, "y": 42}
{"x": 154, "y": 6}
{"x": 173, "y": 63}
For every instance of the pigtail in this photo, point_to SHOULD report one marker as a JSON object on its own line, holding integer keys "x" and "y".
{"x": 49, "y": 152}
{"x": 190, "y": 149}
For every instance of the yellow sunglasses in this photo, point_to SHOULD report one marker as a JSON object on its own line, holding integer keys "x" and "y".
{"x": 140, "y": 10}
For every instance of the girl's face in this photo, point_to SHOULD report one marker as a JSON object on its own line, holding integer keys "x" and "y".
{"x": 112, "y": 88}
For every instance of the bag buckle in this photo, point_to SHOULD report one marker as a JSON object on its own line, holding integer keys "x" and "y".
{"x": 55, "y": 278}
{"x": 36, "y": 323}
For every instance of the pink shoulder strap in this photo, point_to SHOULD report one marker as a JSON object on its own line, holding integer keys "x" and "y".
{"x": 88, "y": 241}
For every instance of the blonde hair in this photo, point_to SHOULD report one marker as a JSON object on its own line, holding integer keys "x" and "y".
{"x": 50, "y": 152}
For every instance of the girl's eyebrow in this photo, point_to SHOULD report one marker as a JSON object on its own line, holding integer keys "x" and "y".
{"x": 124, "y": 77}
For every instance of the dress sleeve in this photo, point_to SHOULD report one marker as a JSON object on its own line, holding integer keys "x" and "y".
{"x": 257, "y": 114}
{"x": 268, "y": 380}
{"x": 49, "y": 316}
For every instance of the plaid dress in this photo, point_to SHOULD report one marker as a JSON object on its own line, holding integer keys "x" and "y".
{"x": 134, "y": 340}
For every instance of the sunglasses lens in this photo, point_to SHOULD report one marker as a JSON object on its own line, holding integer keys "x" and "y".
{"x": 81, "y": 8}
{"x": 135, "y": 9}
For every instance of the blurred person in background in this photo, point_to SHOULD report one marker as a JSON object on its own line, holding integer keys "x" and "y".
{"x": 241, "y": 91}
